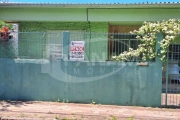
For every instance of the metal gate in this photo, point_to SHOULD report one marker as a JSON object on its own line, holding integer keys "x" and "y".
{"x": 171, "y": 78}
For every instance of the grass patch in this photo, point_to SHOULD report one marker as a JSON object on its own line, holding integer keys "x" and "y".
{"x": 56, "y": 117}
{"x": 22, "y": 115}
{"x": 113, "y": 117}
{"x": 131, "y": 118}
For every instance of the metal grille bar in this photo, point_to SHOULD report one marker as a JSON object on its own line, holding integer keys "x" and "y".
{"x": 48, "y": 45}
{"x": 171, "y": 85}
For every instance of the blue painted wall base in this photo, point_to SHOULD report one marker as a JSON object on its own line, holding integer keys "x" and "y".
{"x": 120, "y": 83}
{"x": 109, "y": 82}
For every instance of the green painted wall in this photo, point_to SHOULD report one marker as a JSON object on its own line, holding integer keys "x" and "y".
{"x": 133, "y": 15}
{"x": 120, "y": 15}
{"x": 43, "y": 14}
{"x": 104, "y": 82}
{"x": 31, "y": 44}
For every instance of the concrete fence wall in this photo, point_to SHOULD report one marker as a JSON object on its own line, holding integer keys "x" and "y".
{"x": 108, "y": 82}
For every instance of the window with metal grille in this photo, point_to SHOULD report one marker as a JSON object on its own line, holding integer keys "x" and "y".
{"x": 174, "y": 52}
{"x": 122, "y": 42}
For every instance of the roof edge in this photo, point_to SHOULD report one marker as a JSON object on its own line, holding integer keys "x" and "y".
{"x": 92, "y": 5}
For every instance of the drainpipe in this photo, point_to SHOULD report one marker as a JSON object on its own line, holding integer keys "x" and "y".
{"x": 87, "y": 13}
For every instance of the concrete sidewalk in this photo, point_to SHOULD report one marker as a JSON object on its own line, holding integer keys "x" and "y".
{"x": 13, "y": 110}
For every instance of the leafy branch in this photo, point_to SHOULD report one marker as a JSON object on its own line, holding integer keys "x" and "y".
{"x": 2, "y": 23}
{"x": 147, "y": 35}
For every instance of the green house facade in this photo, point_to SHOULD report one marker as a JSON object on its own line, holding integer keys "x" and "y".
{"x": 91, "y": 18}
{"x": 47, "y": 29}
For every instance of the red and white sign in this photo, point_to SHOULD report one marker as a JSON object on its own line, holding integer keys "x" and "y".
{"x": 77, "y": 50}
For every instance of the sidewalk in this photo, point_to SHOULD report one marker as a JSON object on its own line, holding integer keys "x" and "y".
{"x": 17, "y": 110}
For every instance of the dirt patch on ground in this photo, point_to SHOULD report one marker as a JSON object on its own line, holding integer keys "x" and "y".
{"x": 63, "y": 111}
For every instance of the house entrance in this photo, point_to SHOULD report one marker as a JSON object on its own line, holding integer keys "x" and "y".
{"x": 171, "y": 78}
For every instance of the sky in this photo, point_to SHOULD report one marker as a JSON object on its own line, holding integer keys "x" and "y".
{"x": 93, "y": 1}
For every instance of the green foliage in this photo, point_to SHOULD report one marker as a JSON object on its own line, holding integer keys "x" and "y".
{"x": 2, "y": 23}
{"x": 93, "y": 102}
{"x": 10, "y": 26}
{"x": 147, "y": 34}
{"x": 43, "y": 26}
{"x": 131, "y": 118}
{"x": 114, "y": 118}
{"x": 56, "y": 117}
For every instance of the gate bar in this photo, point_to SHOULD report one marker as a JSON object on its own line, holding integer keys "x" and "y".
{"x": 167, "y": 73}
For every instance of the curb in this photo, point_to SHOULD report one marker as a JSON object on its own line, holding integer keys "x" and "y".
{"x": 3, "y": 118}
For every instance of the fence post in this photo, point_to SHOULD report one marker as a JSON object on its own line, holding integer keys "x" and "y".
{"x": 66, "y": 39}
{"x": 159, "y": 37}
